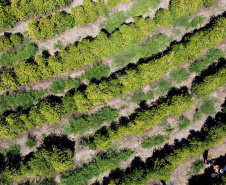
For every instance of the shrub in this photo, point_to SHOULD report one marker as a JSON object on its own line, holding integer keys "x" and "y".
{"x": 164, "y": 86}
{"x": 58, "y": 45}
{"x": 200, "y": 65}
{"x": 169, "y": 130}
{"x": 182, "y": 21}
{"x": 179, "y": 75}
{"x": 183, "y": 123}
{"x": 22, "y": 100}
{"x": 208, "y": 3}
{"x": 197, "y": 21}
{"x": 196, "y": 167}
{"x": 59, "y": 86}
{"x": 163, "y": 17}
{"x": 8, "y": 42}
{"x": 102, "y": 163}
{"x": 143, "y": 6}
{"x": 208, "y": 107}
{"x": 15, "y": 57}
{"x": 114, "y": 21}
{"x": 97, "y": 72}
{"x": 30, "y": 143}
{"x": 151, "y": 142}
{"x": 180, "y": 8}
{"x": 139, "y": 96}
{"x": 80, "y": 124}
{"x": 197, "y": 115}
{"x": 210, "y": 83}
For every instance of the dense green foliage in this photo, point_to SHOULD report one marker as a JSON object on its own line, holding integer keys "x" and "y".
{"x": 183, "y": 123}
{"x": 22, "y": 100}
{"x": 201, "y": 64}
{"x": 162, "y": 166}
{"x": 102, "y": 163}
{"x": 163, "y": 17}
{"x": 196, "y": 167}
{"x": 80, "y": 124}
{"x": 30, "y": 143}
{"x": 143, "y": 6}
{"x": 179, "y": 75}
{"x": 197, "y": 21}
{"x": 86, "y": 52}
{"x": 137, "y": 51}
{"x": 139, "y": 96}
{"x": 210, "y": 83}
{"x": 22, "y": 9}
{"x": 89, "y": 11}
{"x": 197, "y": 115}
{"x": 175, "y": 105}
{"x": 96, "y": 94}
{"x": 153, "y": 141}
{"x": 60, "y": 85}
{"x": 180, "y": 8}
{"x": 22, "y": 53}
{"x": 114, "y": 21}
{"x": 97, "y": 72}
{"x": 44, "y": 162}
{"x": 8, "y": 42}
{"x": 208, "y": 107}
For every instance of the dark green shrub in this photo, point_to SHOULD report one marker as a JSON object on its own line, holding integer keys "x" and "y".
{"x": 208, "y": 107}
{"x": 183, "y": 123}
{"x": 143, "y": 6}
{"x": 200, "y": 65}
{"x": 164, "y": 86}
{"x": 30, "y": 143}
{"x": 45, "y": 182}
{"x": 139, "y": 96}
{"x": 182, "y": 21}
{"x": 169, "y": 130}
{"x": 97, "y": 72}
{"x": 114, "y": 21}
{"x": 80, "y": 124}
{"x": 196, "y": 167}
{"x": 197, "y": 115}
{"x": 12, "y": 58}
{"x": 22, "y": 100}
{"x": 179, "y": 75}
{"x": 151, "y": 142}
{"x": 197, "y": 21}
{"x": 163, "y": 17}
{"x": 208, "y": 3}
{"x": 210, "y": 83}
{"x": 58, "y": 45}
{"x": 102, "y": 163}
{"x": 58, "y": 86}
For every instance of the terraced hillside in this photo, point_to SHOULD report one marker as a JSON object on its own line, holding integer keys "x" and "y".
{"x": 112, "y": 91}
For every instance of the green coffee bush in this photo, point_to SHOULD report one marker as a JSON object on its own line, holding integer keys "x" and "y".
{"x": 163, "y": 17}
{"x": 151, "y": 142}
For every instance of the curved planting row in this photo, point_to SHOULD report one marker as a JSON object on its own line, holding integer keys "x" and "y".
{"x": 161, "y": 166}
{"x": 18, "y": 123}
